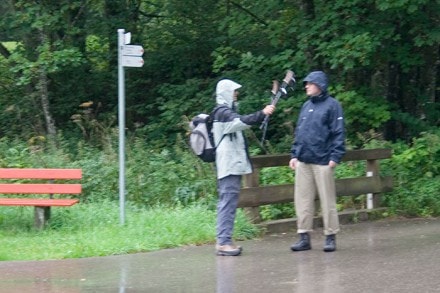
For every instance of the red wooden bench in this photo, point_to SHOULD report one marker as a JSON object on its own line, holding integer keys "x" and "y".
{"x": 26, "y": 185}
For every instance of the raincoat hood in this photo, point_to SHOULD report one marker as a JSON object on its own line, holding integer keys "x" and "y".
{"x": 319, "y": 78}
{"x": 225, "y": 92}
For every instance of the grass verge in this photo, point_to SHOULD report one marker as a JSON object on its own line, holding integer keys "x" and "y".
{"x": 88, "y": 230}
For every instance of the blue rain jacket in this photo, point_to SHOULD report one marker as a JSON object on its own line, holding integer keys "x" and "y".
{"x": 319, "y": 133}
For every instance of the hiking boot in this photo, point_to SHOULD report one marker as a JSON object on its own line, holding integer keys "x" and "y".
{"x": 330, "y": 243}
{"x": 232, "y": 245}
{"x": 303, "y": 243}
{"x": 227, "y": 250}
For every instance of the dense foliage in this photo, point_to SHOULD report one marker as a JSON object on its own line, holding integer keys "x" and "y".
{"x": 59, "y": 62}
{"x": 58, "y": 86}
{"x": 176, "y": 177}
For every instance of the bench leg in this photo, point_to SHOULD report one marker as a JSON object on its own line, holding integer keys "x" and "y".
{"x": 42, "y": 215}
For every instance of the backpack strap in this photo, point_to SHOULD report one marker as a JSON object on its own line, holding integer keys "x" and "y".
{"x": 220, "y": 140}
{"x": 216, "y": 108}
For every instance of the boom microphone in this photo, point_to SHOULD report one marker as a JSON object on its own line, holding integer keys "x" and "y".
{"x": 278, "y": 92}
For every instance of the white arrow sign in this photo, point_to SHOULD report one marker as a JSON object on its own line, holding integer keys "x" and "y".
{"x": 132, "y": 61}
{"x": 132, "y": 50}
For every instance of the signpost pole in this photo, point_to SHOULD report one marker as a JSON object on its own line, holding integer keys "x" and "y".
{"x": 128, "y": 56}
{"x": 121, "y": 117}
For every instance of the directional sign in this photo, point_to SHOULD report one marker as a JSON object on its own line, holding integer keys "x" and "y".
{"x": 127, "y": 38}
{"x": 132, "y": 61}
{"x": 132, "y": 50}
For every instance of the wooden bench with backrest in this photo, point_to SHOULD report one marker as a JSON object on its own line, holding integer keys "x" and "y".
{"x": 49, "y": 181}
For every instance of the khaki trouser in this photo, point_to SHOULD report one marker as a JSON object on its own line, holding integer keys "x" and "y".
{"x": 310, "y": 180}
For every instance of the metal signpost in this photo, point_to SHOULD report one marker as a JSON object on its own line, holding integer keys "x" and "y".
{"x": 128, "y": 56}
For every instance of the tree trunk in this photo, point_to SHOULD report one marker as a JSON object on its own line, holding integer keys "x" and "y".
{"x": 308, "y": 9}
{"x": 430, "y": 75}
{"x": 391, "y": 126}
{"x": 43, "y": 92}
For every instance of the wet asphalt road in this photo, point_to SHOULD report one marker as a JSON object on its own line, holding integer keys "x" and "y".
{"x": 383, "y": 256}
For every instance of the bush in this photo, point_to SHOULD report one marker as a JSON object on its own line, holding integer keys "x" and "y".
{"x": 174, "y": 177}
{"x": 421, "y": 159}
{"x": 420, "y": 198}
{"x": 416, "y": 172}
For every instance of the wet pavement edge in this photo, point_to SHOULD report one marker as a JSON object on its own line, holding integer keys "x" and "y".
{"x": 400, "y": 255}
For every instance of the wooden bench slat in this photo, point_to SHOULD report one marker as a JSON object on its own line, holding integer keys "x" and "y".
{"x": 39, "y": 181}
{"x": 280, "y": 160}
{"x": 17, "y": 173}
{"x": 284, "y": 193}
{"x": 37, "y": 202}
{"x": 41, "y": 188}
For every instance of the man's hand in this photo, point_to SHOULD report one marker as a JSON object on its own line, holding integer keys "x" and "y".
{"x": 292, "y": 163}
{"x": 269, "y": 109}
{"x": 332, "y": 164}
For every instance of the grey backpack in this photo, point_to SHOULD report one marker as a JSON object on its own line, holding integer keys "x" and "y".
{"x": 201, "y": 138}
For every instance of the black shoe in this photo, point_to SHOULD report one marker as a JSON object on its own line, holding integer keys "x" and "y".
{"x": 330, "y": 243}
{"x": 303, "y": 243}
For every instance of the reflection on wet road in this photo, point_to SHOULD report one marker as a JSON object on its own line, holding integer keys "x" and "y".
{"x": 384, "y": 256}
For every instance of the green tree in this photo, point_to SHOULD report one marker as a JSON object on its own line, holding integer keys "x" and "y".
{"x": 42, "y": 32}
{"x": 385, "y": 71}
